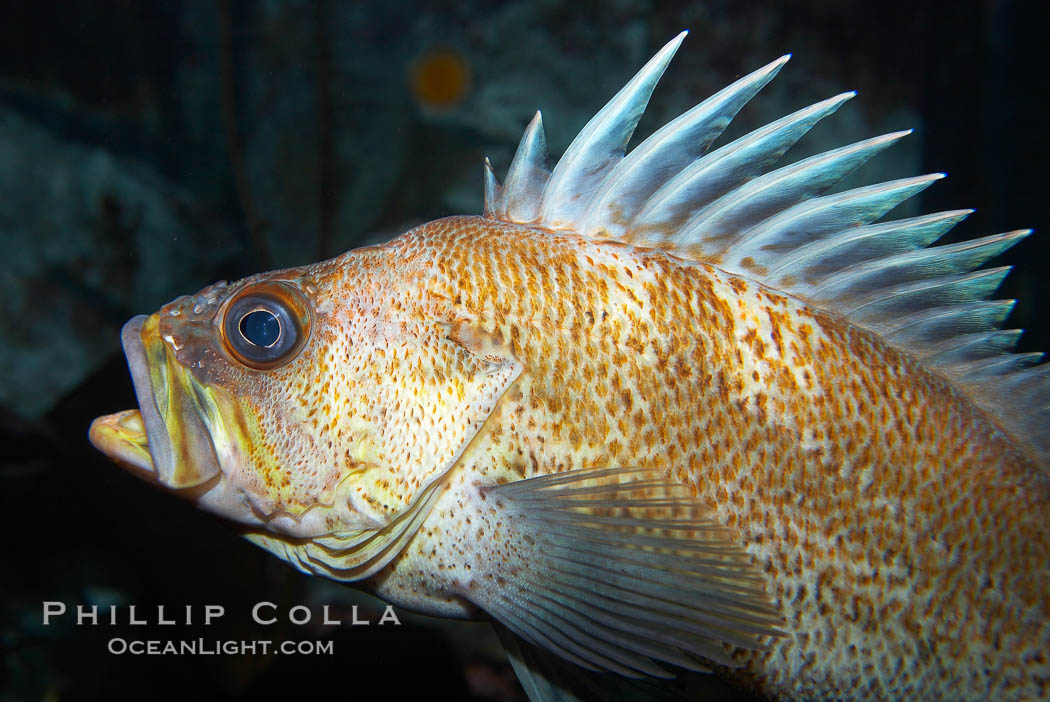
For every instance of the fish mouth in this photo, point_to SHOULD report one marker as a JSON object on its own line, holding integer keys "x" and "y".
{"x": 188, "y": 436}
{"x": 167, "y": 439}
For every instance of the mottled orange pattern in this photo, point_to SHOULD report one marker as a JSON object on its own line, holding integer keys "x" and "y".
{"x": 903, "y": 536}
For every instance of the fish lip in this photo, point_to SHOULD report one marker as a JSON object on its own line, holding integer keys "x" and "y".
{"x": 156, "y": 430}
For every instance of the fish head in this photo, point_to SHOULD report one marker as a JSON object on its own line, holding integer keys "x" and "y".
{"x": 230, "y": 415}
{"x": 324, "y": 402}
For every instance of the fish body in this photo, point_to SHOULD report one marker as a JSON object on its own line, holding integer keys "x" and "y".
{"x": 623, "y": 442}
{"x": 789, "y": 424}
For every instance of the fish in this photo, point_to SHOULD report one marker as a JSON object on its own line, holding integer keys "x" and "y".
{"x": 677, "y": 408}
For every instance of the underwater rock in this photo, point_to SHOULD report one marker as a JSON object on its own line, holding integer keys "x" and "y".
{"x": 86, "y": 239}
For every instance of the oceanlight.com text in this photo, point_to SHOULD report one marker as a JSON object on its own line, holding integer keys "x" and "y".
{"x": 212, "y": 647}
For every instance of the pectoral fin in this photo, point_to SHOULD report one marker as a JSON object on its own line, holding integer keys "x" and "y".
{"x": 618, "y": 570}
{"x": 546, "y": 677}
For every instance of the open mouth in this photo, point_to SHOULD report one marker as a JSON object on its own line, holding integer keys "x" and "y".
{"x": 166, "y": 439}
{"x": 178, "y": 433}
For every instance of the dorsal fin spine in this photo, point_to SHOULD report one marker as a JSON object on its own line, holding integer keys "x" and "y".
{"x": 715, "y": 174}
{"x": 492, "y": 190}
{"x": 881, "y": 304}
{"x": 884, "y": 238}
{"x": 1000, "y": 365}
{"x": 775, "y": 226}
{"x": 969, "y": 347}
{"x": 775, "y": 191}
{"x": 634, "y": 179}
{"x": 942, "y": 260}
{"x": 527, "y": 176}
{"x": 851, "y": 208}
{"x": 601, "y": 142}
{"x": 928, "y": 328}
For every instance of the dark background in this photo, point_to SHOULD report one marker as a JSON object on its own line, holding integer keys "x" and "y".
{"x": 147, "y": 149}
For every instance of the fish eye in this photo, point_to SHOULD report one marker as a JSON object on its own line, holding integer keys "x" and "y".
{"x": 265, "y": 325}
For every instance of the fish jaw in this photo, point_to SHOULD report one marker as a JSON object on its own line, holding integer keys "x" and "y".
{"x": 190, "y": 434}
{"x": 122, "y": 437}
{"x": 177, "y": 438}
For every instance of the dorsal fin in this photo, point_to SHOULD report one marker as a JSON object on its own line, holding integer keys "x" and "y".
{"x": 777, "y": 227}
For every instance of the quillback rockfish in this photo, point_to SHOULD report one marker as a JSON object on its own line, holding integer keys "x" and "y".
{"x": 658, "y": 409}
